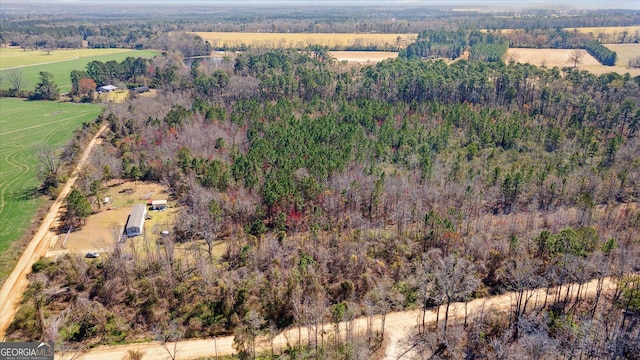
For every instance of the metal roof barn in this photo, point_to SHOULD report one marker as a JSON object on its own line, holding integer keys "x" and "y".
{"x": 135, "y": 223}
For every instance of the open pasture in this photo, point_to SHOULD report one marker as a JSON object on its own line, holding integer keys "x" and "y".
{"x": 608, "y": 30}
{"x": 61, "y": 70}
{"x": 301, "y": 40}
{"x": 16, "y": 57}
{"x": 625, "y": 52}
{"x": 548, "y": 57}
{"x": 24, "y": 126}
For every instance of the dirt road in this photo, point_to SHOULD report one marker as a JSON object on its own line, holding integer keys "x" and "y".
{"x": 41, "y": 242}
{"x": 399, "y": 327}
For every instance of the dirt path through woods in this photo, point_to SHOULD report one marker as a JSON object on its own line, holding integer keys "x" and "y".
{"x": 42, "y": 241}
{"x": 399, "y": 327}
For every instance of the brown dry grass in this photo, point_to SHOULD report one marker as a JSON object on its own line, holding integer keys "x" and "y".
{"x": 301, "y": 40}
{"x": 625, "y": 52}
{"x": 98, "y": 231}
{"x": 548, "y": 57}
{"x": 118, "y": 96}
{"x": 609, "y": 30}
{"x": 363, "y": 56}
{"x": 560, "y": 58}
{"x": 104, "y": 226}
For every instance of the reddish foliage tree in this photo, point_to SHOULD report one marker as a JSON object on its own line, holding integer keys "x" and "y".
{"x": 86, "y": 85}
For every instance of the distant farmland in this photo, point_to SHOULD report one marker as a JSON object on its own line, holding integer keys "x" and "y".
{"x": 625, "y": 52}
{"x": 301, "y": 40}
{"x": 60, "y": 69}
{"x": 560, "y": 58}
{"x": 363, "y": 56}
{"x": 24, "y": 126}
{"x": 609, "y": 30}
{"x": 548, "y": 57}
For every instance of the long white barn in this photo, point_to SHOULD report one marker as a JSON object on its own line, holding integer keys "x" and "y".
{"x": 135, "y": 223}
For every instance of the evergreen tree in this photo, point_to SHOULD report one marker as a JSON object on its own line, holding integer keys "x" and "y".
{"x": 46, "y": 89}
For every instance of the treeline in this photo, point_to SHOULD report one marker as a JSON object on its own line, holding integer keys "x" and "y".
{"x": 451, "y": 44}
{"x": 398, "y": 19}
{"x": 30, "y": 35}
{"x": 491, "y": 46}
{"x": 341, "y": 192}
{"x": 130, "y": 31}
{"x": 601, "y": 53}
{"x": 552, "y": 19}
{"x": 112, "y": 71}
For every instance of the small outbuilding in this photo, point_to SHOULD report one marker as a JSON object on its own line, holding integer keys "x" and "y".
{"x": 159, "y": 205}
{"x": 135, "y": 223}
{"x": 140, "y": 89}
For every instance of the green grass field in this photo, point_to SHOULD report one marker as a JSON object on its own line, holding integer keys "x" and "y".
{"x": 24, "y": 126}
{"x": 61, "y": 70}
{"x": 15, "y": 57}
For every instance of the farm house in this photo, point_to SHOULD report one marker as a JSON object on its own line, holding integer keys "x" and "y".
{"x": 135, "y": 223}
{"x": 159, "y": 205}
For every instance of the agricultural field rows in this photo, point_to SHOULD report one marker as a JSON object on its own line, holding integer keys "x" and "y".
{"x": 301, "y": 40}
{"x": 24, "y": 126}
{"x": 62, "y": 69}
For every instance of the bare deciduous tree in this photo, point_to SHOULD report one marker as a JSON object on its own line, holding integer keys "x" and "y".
{"x": 49, "y": 166}
{"x": 576, "y": 57}
{"x": 168, "y": 338}
{"x": 15, "y": 77}
{"x": 452, "y": 278}
{"x": 522, "y": 280}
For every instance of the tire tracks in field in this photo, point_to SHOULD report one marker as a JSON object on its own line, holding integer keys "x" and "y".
{"x": 15, "y": 285}
{"x": 23, "y": 168}
{"x": 41, "y": 125}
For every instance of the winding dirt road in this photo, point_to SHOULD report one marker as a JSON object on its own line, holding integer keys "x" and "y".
{"x": 40, "y": 244}
{"x": 399, "y": 327}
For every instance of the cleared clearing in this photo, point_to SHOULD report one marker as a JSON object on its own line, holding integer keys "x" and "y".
{"x": 548, "y": 57}
{"x": 98, "y": 231}
{"x": 363, "y": 56}
{"x": 301, "y": 40}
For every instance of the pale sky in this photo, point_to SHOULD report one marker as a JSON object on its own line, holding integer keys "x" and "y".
{"x": 616, "y": 4}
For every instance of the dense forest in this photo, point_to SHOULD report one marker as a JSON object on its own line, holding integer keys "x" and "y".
{"x": 342, "y": 191}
